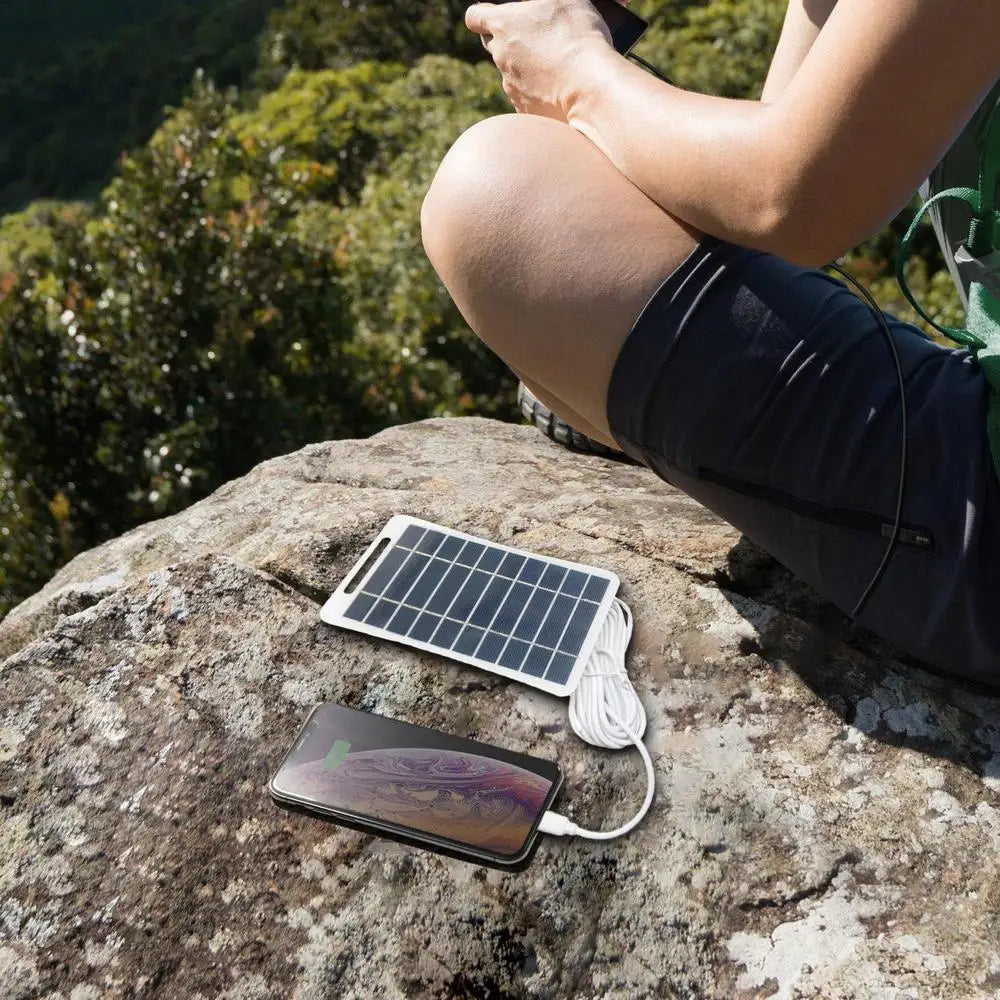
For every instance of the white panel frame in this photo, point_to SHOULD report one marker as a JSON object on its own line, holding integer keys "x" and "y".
{"x": 333, "y": 611}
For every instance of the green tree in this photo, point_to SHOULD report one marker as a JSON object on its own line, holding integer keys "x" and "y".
{"x": 232, "y": 298}
{"x": 81, "y": 82}
{"x": 394, "y": 125}
{"x": 184, "y": 334}
{"x": 722, "y": 47}
{"x": 400, "y": 308}
{"x": 336, "y": 126}
{"x": 332, "y": 34}
{"x": 29, "y": 232}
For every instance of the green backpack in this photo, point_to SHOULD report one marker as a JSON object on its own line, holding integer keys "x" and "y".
{"x": 969, "y": 233}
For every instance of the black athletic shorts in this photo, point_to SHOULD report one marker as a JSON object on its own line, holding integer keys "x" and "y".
{"x": 768, "y": 393}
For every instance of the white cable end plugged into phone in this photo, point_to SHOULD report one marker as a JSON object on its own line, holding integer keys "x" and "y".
{"x": 557, "y": 825}
{"x": 605, "y": 711}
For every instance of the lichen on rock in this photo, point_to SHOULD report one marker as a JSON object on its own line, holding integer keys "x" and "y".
{"x": 827, "y": 814}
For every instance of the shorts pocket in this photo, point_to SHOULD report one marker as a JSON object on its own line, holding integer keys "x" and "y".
{"x": 846, "y": 517}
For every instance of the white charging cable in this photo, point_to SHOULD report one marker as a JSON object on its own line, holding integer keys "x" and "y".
{"x": 605, "y": 711}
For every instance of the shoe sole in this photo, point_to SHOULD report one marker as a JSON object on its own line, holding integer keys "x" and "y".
{"x": 556, "y": 429}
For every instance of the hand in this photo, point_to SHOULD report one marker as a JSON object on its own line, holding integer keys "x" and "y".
{"x": 536, "y": 45}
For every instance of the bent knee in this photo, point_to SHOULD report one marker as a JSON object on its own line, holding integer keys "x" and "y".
{"x": 494, "y": 163}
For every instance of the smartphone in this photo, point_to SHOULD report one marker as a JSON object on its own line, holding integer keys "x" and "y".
{"x": 422, "y": 787}
{"x": 626, "y": 28}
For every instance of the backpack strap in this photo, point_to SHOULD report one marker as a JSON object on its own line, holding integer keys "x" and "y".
{"x": 966, "y": 338}
{"x": 980, "y": 250}
{"x": 982, "y": 332}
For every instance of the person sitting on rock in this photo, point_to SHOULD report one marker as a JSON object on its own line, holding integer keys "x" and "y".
{"x": 647, "y": 261}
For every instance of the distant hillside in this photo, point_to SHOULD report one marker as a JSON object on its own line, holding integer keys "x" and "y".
{"x": 79, "y": 83}
{"x": 34, "y": 31}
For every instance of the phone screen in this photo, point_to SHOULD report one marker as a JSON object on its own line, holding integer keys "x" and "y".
{"x": 392, "y": 777}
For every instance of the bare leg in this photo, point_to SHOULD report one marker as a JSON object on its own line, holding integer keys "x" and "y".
{"x": 550, "y": 253}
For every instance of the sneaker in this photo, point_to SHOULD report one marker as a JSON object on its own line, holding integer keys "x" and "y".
{"x": 556, "y": 429}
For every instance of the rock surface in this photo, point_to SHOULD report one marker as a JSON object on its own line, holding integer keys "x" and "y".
{"x": 827, "y": 818}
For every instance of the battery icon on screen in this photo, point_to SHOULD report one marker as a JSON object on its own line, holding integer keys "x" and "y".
{"x": 336, "y": 755}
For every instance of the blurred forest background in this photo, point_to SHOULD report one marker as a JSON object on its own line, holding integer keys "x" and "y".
{"x": 211, "y": 251}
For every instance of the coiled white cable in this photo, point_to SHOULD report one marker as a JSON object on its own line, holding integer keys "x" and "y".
{"x": 605, "y": 711}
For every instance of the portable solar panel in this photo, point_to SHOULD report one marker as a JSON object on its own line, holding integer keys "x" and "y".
{"x": 525, "y": 616}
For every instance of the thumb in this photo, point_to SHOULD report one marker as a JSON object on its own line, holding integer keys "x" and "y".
{"x": 476, "y": 16}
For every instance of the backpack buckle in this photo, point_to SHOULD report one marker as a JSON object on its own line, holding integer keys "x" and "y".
{"x": 983, "y": 270}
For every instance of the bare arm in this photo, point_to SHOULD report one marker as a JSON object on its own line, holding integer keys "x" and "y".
{"x": 803, "y": 21}
{"x": 839, "y": 151}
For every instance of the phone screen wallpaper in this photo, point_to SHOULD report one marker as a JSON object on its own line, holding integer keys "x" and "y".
{"x": 347, "y": 760}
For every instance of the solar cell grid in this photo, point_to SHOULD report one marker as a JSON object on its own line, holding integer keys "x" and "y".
{"x": 500, "y": 608}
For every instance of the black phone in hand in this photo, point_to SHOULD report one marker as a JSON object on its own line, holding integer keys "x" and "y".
{"x": 626, "y": 28}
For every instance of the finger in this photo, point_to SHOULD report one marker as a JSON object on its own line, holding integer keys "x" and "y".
{"x": 477, "y": 15}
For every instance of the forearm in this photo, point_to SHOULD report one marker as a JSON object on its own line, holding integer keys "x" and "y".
{"x": 712, "y": 162}
{"x": 818, "y": 170}
{"x": 804, "y": 19}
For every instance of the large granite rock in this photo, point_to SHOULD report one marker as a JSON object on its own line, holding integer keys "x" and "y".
{"x": 826, "y": 822}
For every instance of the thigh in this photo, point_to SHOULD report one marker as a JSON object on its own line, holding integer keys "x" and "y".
{"x": 549, "y": 251}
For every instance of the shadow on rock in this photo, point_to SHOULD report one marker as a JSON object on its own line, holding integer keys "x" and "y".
{"x": 871, "y": 684}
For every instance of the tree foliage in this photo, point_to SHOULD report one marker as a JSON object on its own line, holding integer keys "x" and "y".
{"x": 241, "y": 289}
{"x": 29, "y": 232}
{"x": 332, "y": 34}
{"x": 722, "y": 47}
{"x": 185, "y": 333}
{"x": 81, "y": 82}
